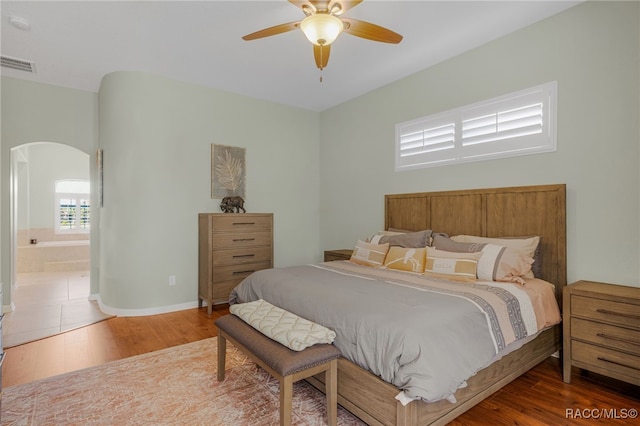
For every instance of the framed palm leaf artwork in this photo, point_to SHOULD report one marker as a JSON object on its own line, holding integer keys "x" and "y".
{"x": 228, "y": 171}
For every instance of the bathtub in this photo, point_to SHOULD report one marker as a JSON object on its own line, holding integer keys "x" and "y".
{"x": 54, "y": 256}
{"x": 62, "y": 243}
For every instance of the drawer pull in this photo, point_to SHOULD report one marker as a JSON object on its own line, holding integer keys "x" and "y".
{"x": 239, "y": 256}
{"x": 243, "y": 272}
{"x": 600, "y": 358}
{"x": 244, "y": 223}
{"x": 243, "y": 239}
{"x": 620, "y": 339}
{"x": 620, "y": 314}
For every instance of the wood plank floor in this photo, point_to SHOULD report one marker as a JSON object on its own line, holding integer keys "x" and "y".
{"x": 109, "y": 340}
{"x": 539, "y": 397}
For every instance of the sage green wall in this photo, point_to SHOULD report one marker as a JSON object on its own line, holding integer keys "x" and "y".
{"x": 49, "y": 162}
{"x": 156, "y": 135}
{"x": 34, "y": 112}
{"x": 592, "y": 51}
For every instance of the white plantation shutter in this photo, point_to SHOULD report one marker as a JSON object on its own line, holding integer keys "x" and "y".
{"x": 426, "y": 140}
{"x": 73, "y": 210}
{"x": 515, "y": 124}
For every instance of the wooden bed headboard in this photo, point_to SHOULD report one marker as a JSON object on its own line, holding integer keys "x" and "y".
{"x": 494, "y": 212}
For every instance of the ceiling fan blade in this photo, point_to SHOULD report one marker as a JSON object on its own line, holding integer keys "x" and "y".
{"x": 370, "y": 31}
{"x": 278, "y": 29}
{"x": 321, "y": 53}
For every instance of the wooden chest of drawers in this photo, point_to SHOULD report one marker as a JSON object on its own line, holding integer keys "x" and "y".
{"x": 601, "y": 328}
{"x": 231, "y": 246}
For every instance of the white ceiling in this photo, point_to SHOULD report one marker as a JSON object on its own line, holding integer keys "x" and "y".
{"x": 75, "y": 43}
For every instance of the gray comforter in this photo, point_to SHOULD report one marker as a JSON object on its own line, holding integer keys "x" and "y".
{"x": 427, "y": 337}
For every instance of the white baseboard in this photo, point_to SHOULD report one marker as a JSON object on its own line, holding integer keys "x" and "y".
{"x": 143, "y": 311}
{"x": 8, "y": 308}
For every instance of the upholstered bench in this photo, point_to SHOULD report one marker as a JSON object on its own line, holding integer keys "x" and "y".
{"x": 286, "y": 365}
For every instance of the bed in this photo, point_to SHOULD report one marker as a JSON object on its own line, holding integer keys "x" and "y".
{"x": 497, "y": 212}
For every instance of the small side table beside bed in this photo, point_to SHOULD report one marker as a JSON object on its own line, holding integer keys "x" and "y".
{"x": 340, "y": 254}
{"x": 601, "y": 330}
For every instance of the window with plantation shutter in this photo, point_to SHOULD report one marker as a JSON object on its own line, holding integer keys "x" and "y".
{"x": 73, "y": 207}
{"x": 515, "y": 124}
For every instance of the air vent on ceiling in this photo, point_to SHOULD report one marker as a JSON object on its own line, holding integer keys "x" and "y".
{"x": 18, "y": 64}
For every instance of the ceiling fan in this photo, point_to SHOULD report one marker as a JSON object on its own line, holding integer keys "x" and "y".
{"x": 323, "y": 24}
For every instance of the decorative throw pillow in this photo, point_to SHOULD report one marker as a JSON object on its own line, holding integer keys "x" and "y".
{"x": 418, "y": 239}
{"x": 410, "y": 259}
{"x": 527, "y": 245}
{"x": 499, "y": 263}
{"x": 392, "y": 231}
{"x": 369, "y": 254}
{"x": 462, "y": 265}
{"x": 442, "y": 242}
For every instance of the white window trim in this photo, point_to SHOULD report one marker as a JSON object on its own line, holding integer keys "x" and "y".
{"x": 72, "y": 195}
{"x": 439, "y": 141}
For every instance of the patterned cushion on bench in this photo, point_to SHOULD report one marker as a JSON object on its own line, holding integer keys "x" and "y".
{"x": 281, "y": 359}
{"x": 284, "y": 327}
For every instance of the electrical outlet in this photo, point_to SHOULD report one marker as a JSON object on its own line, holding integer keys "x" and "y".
{"x": 172, "y": 280}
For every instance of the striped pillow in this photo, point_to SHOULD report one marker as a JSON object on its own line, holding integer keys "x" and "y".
{"x": 529, "y": 246}
{"x": 499, "y": 263}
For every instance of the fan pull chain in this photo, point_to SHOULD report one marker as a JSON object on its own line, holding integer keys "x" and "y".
{"x": 321, "y": 61}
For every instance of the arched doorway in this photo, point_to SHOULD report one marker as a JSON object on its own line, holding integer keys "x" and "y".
{"x": 50, "y": 223}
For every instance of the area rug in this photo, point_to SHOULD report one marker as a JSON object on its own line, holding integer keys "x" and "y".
{"x": 174, "y": 386}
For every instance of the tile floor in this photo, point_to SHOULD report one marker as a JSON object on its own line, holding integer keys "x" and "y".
{"x": 48, "y": 303}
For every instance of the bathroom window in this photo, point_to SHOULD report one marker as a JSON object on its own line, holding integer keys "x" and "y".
{"x": 73, "y": 206}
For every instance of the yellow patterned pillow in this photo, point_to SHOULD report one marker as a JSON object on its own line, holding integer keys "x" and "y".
{"x": 406, "y": 259}
{"x": 451, "y": 263}
{"x": 368, "y": 254}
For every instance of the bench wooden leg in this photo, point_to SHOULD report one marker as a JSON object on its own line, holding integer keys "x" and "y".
{"x": 222, "y": 352}
{"x": 331, "y": 389}
{"x": 286, "y": 400}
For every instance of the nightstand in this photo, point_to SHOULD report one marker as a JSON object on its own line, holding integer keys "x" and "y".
{"x": 342, "y": 254}
{"x": 601, "y": 328}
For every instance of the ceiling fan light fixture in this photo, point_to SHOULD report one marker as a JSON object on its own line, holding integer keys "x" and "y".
{"x": 321, "y": 29}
